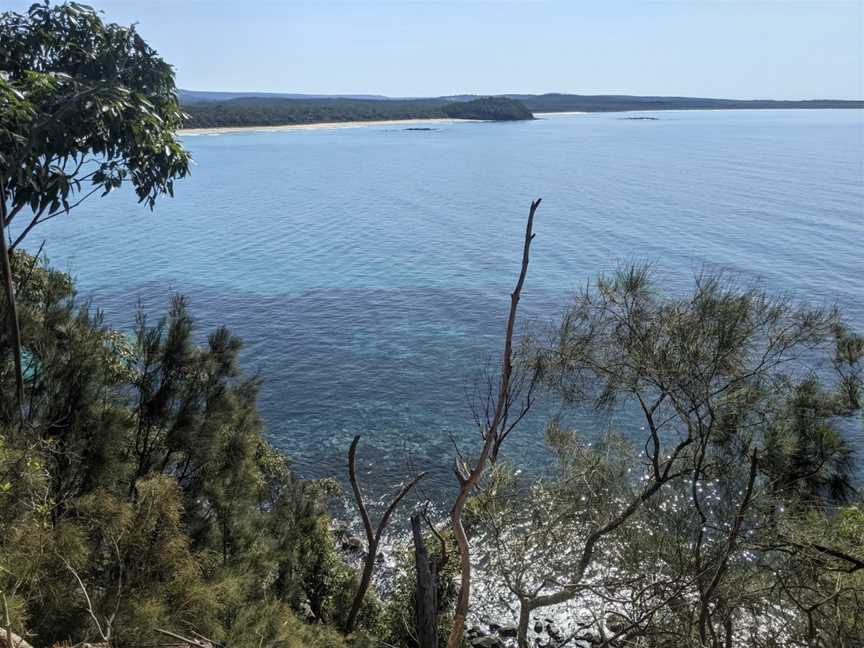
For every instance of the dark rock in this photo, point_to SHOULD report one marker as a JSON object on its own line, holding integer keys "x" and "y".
{"x": 538, "y": 627}
{"x": 509, "y": 630}
{"x": 476, "y": 631}
{"x": 591, "y": 639}
{"x": 554, "y": 632}
{"x": 617, "y": 623}
{"x": 487, "y": 642}
{"x": 494, "y": 627}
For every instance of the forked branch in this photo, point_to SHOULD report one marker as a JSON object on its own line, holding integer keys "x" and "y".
{"x": 373, "y": 536}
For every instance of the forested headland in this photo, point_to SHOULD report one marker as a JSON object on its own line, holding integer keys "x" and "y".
{"x": 213, "y": 110}
{"x": 142, "y": 503}
{"x": 275, "y": 111}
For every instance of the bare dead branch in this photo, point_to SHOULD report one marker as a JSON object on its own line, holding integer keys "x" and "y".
{"x": 195, "y": 643}
{"x": 492, "y": 441}
{"x": 373, "y": 536}
{"x": 104, "y": 634}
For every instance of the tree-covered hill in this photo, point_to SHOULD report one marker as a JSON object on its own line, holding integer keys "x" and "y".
{"x": 613, "y": 103}
{"x": 277, "y": 111}
{"x": 489, "y": 108}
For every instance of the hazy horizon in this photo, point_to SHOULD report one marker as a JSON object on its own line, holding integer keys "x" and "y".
{"x": 793, "y": 50}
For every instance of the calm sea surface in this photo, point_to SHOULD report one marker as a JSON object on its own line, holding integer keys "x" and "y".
{"x": 368, "y": 269}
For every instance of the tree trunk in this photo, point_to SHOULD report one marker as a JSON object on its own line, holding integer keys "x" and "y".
{"x": 9, "y": 289}
{"x": 524, "y": 619}
{"x": 365, "y": 580}
{"x": 426, "y": 597}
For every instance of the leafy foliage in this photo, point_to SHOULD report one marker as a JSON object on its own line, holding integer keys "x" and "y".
{"x": 84, "y": 107}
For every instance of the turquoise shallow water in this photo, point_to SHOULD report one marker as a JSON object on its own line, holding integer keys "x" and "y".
{"x": 368, "y": 268}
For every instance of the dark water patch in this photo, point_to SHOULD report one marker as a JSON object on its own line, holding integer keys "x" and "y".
{"x": 397, "y": 366}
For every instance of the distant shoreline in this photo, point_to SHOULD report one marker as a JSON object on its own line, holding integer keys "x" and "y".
{"x": 224, "y": 130}
{"x": 672, "y": 110}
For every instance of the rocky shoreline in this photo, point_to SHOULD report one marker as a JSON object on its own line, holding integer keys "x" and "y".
{"x": 492, "y": 621}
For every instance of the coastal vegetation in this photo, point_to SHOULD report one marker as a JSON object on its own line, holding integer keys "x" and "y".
{"x": 143, "y": 504}
{"x": 488, "y": 108}
{"x": 270, "y": 111}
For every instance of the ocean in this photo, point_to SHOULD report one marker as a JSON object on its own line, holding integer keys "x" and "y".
{"x": 368, "y": 269}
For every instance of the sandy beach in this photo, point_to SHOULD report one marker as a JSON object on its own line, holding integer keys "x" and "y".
{"x": 319, "y": 126}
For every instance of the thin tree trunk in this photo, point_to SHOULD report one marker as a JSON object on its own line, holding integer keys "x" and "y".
{"x": 426, "y": 597}
{"x": 9, "y": 290}
{"x": 705, "y": 624}
{"x": 365, "y": 581}
{"x": 492, "y": 439}
{"x": 524, "y": 618}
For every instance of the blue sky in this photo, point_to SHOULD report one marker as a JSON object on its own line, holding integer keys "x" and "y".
{"x": 718, "y": 48}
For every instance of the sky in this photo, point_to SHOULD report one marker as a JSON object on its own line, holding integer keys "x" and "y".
{"x": 774, "y": 49}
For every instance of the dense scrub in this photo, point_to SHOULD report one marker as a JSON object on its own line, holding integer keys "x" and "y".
{"x": 140, "y": 493}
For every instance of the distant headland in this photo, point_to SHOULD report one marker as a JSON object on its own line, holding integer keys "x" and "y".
{"x": 258, "y": 111}
{"x": 237, "y": 109}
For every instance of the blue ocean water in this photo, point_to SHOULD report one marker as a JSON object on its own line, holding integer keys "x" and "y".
{"x": 368, "y": 269}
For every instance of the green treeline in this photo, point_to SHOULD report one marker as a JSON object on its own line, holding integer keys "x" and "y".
{"x": 266, "y": 111}
{"x": 276, "y": 111}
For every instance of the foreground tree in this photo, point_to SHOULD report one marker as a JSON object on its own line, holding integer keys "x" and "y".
{"x": 85, "y": 106}
{"x": 741, "y": 398}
